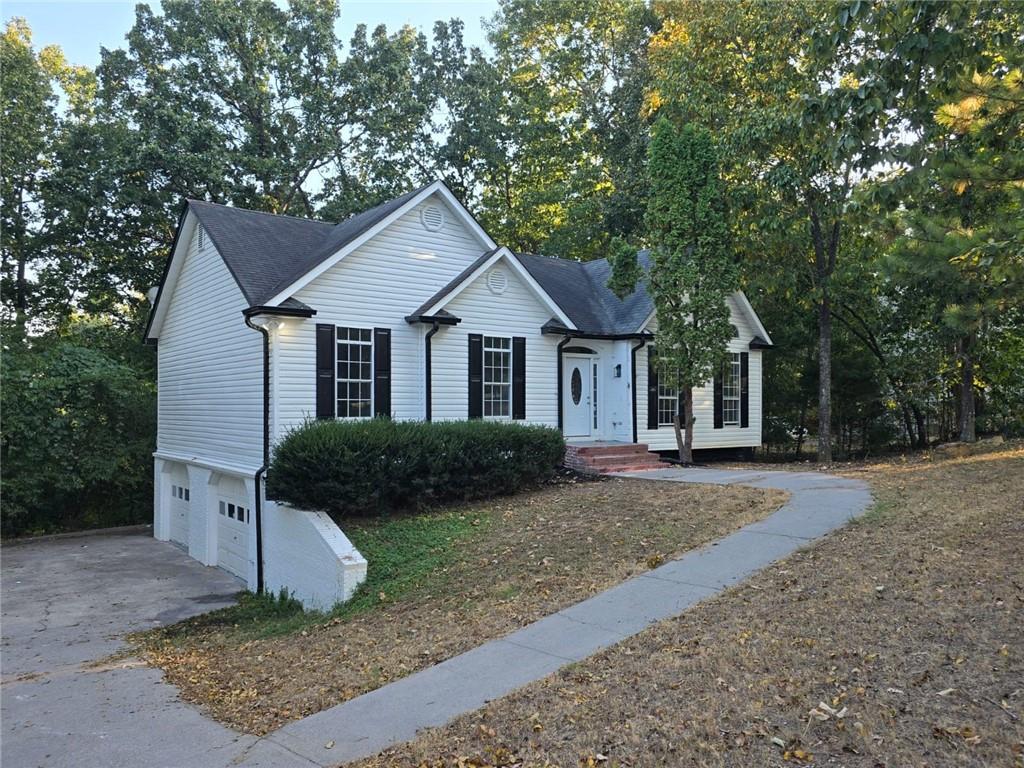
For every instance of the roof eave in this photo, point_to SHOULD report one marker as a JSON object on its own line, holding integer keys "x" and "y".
{"x": 279, "y": 311}
{"x": 441, "y": 318}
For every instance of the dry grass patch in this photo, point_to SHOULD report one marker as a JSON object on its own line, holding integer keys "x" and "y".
{"x": 898, "y": 641}
{"x": 476, "y": 573}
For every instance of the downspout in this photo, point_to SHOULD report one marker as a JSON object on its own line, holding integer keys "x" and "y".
{"x": 266, "y": 452}
{"x": 632, "y": 373}
{"x": 561, "y": 344}
{"x": 426, "y": 367}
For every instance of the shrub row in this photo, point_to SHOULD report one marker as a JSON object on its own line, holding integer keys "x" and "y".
{"x": 382, "y": 466}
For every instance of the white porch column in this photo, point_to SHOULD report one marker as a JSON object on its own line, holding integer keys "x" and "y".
{"x": 202, "y": 525}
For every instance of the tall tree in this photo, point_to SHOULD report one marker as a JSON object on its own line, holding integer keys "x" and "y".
{"x": 562, "y": 154}
{"x": 794, "y": 129}
{"x": 27, "y": 103}
{"x": 952, "y": 72}
{"x": 693, "y": 270}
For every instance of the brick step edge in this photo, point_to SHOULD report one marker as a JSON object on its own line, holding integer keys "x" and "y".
{"x": 628, "y": 468}
{"x": 599, "y": 450}
{"x": 623, "y": 458}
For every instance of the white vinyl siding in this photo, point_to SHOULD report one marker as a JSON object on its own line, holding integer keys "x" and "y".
{"x": 704, "y": 433}
{"x": 375, "y": 286}
{"x": 209, "y": 379}
{"x": 516, "y": 312}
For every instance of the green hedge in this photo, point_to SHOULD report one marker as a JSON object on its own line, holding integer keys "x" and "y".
{"x": 380, "y": 466}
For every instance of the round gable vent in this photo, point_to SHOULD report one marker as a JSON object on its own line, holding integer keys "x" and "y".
{"x": 432, "y": 218}
{"x": 497, "y": 281}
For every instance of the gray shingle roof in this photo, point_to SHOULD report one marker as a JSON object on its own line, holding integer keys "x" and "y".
{"x": 580, "y": 288}
{"x": 267, "y": 252}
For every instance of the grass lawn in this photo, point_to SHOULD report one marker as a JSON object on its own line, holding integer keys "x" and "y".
{"x": 897, "y": 641}
{"x": 438, "y": 585}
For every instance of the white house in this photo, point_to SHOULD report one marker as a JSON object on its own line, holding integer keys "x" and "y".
{"x": 408, "y": 310}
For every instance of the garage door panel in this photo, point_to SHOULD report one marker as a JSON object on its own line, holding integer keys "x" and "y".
{"x": 233, "y": 531}
{"x": 180, "y": 509}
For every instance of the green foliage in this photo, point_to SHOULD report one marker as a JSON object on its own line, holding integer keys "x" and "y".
{"x": 382, "y": 466}
{"x": 27, "y": 104}
{"x": 693, "y": 271}
{"x": 79, "y": 429}
{"x": 561, "y": 145}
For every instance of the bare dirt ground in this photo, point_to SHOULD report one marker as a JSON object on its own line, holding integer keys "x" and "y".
{"x": 898, "y": 641}
{"x": 524, "y": 557}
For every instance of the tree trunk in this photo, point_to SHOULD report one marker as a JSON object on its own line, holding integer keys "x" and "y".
{"x": 824, "y": 380}
{"x": 803, "y": 428}
{"x": 683, "y": 426}
{"x": 922, "y": 427}
{"x": 908, "y": 425}
{"x": 965, "y": 351}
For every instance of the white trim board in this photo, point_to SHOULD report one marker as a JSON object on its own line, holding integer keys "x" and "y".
{"x": 437, "y": 187}
{"x": 505, "y": 254}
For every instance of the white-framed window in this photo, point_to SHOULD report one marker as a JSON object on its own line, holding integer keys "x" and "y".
{"x": 179, "y": 492}
{"x": 355, "y": 373}
{"x": 731, "y": 391}
{"x": 668, "y": 404}
{"x": 497, "y": 377}
{"x": 234, "y": 511}
{"x": 593, "y": 379}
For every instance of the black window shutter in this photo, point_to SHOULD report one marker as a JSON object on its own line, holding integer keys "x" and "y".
{"x": 518, "y": 377}
{"x": 719, "y": 420}
{"x": 476, "y": 376}
{"x": 326, "y": 376}
{"x": 744, "y": 389}
{"x": 382, "y": 372}
{"x": 652, "y": 391}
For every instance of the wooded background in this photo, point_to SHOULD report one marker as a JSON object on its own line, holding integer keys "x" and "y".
{"x": 871, "y": 156}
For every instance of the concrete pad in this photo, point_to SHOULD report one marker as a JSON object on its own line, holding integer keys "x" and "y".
{"x": 263, "y": 753}
{"x": 66, "y": 605}
{"x": 68, "y": 602}
{"x": 560, "y": 636}
{"x": 367, "y": 724}
{"x": 634, "y": 605}
{"x": 729, "y": 561}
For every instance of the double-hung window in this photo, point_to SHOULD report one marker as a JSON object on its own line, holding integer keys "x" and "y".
{"x": 668, "y": 404}
{"x": 497, "y": 377}
{"x": 355, "y": 373}
{"x": 731, "y": 391}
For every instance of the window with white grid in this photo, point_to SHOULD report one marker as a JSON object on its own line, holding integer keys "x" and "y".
{"x": 497, "y": 377}
{"x": 355, "y": 373}
{"x": 668, "y": 404}
{"x": 731, "y": 391}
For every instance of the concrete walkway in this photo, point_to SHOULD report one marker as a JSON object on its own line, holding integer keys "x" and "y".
{"x": 363, "y": 726}
{"x": 66, "y": 604}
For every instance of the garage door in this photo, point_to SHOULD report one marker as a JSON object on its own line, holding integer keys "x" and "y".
{"x": 180, "y": 505}
{"x": 233, "y": 530}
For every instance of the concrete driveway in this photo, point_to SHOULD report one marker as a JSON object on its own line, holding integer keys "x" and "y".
{"x": 67, "y": 602}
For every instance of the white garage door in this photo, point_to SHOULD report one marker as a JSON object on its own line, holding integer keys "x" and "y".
{"x": 233, "y": 530}
{"x": 180, "y": 505}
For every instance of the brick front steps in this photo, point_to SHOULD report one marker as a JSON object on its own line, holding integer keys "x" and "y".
{"x": 601, "y": 458}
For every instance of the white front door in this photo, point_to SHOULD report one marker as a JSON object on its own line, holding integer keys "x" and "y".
{"x": 577, "y": 395}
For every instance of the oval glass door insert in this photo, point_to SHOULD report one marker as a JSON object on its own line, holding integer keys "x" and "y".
{"x": 576, "y": 386}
